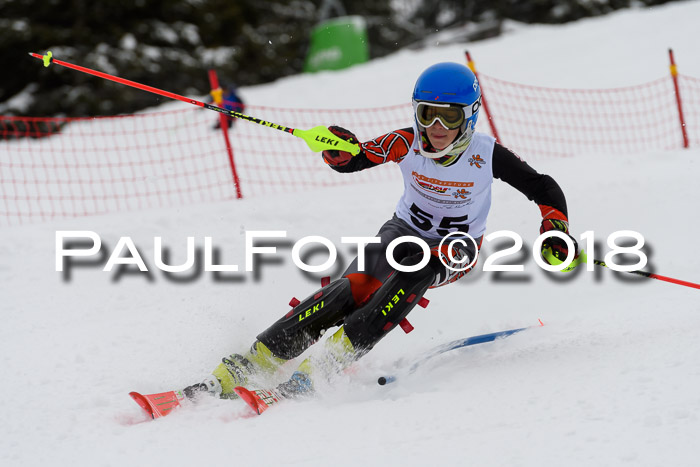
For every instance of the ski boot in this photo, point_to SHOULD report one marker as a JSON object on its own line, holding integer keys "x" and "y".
{"x": 337, "y": 355}
{"x": 235, "y": 370}
{"x": 210, "y": 386}
{"x": 299, "y": 385}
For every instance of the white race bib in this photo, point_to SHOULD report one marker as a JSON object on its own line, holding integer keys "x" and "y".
{"x": 438, "y": 200}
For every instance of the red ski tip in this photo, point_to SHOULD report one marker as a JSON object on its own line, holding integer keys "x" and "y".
{"x": 541, "y": 323}
{"x": 251, "y": 399}
{"x": 158, "y": 405}
{"x": 259, "y": 400}
{"x": 142, "y": 402}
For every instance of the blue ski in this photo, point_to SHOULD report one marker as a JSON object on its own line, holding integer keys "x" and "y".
{"x": 458, "y": 344}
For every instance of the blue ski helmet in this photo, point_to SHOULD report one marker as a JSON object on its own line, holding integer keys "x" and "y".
{"x": 438, "y": 88}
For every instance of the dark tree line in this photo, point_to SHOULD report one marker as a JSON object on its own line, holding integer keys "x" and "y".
{"x": 170, "y": 43}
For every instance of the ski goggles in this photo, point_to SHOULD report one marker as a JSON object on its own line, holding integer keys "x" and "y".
{"x": 451, "y": 116}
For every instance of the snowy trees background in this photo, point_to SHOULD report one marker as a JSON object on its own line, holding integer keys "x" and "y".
{"x": 170, "y": 43}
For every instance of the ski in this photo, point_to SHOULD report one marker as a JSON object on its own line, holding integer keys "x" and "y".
{"x": 158, "y": 405}
{"x": 258, "y": 399}
{"x": 458, "y": 344}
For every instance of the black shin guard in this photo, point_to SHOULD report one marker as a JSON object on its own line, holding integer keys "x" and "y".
{"x": 306, "y": 322}
{"x": 389, "y": 305}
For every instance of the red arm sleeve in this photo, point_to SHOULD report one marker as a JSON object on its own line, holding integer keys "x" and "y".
{"x": 391, "y": 147}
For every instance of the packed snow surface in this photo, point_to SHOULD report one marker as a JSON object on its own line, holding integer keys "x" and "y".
{"x": 611, "y": 379}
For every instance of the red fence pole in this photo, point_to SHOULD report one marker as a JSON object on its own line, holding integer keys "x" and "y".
{"x": 217, "y": 94}
{"x": 489, "y": 116}
{"x": 674, "y": 75}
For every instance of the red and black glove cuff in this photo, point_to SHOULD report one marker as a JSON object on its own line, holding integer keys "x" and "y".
{"x": 554, "y": 224}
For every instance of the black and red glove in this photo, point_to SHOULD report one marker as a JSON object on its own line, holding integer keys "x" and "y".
{"x": 335, "y": 157}
{"x": 556, "y": 245}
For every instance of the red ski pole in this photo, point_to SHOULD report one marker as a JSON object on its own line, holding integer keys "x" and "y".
{"x": 318, "y": 138}
{"x": 654, "y": 276}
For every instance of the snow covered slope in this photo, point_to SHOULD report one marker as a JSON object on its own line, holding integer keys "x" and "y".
{"x": 612, "y": 379}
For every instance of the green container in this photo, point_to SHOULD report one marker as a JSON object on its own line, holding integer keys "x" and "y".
{"x": 337, "y": 43}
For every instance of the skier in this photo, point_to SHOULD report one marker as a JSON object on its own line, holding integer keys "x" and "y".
{"x": 231, "y": 101}
{"x": 447, "y": 169}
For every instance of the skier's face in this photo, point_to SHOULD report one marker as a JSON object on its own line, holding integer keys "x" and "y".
{"x": 439, "y": 136}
